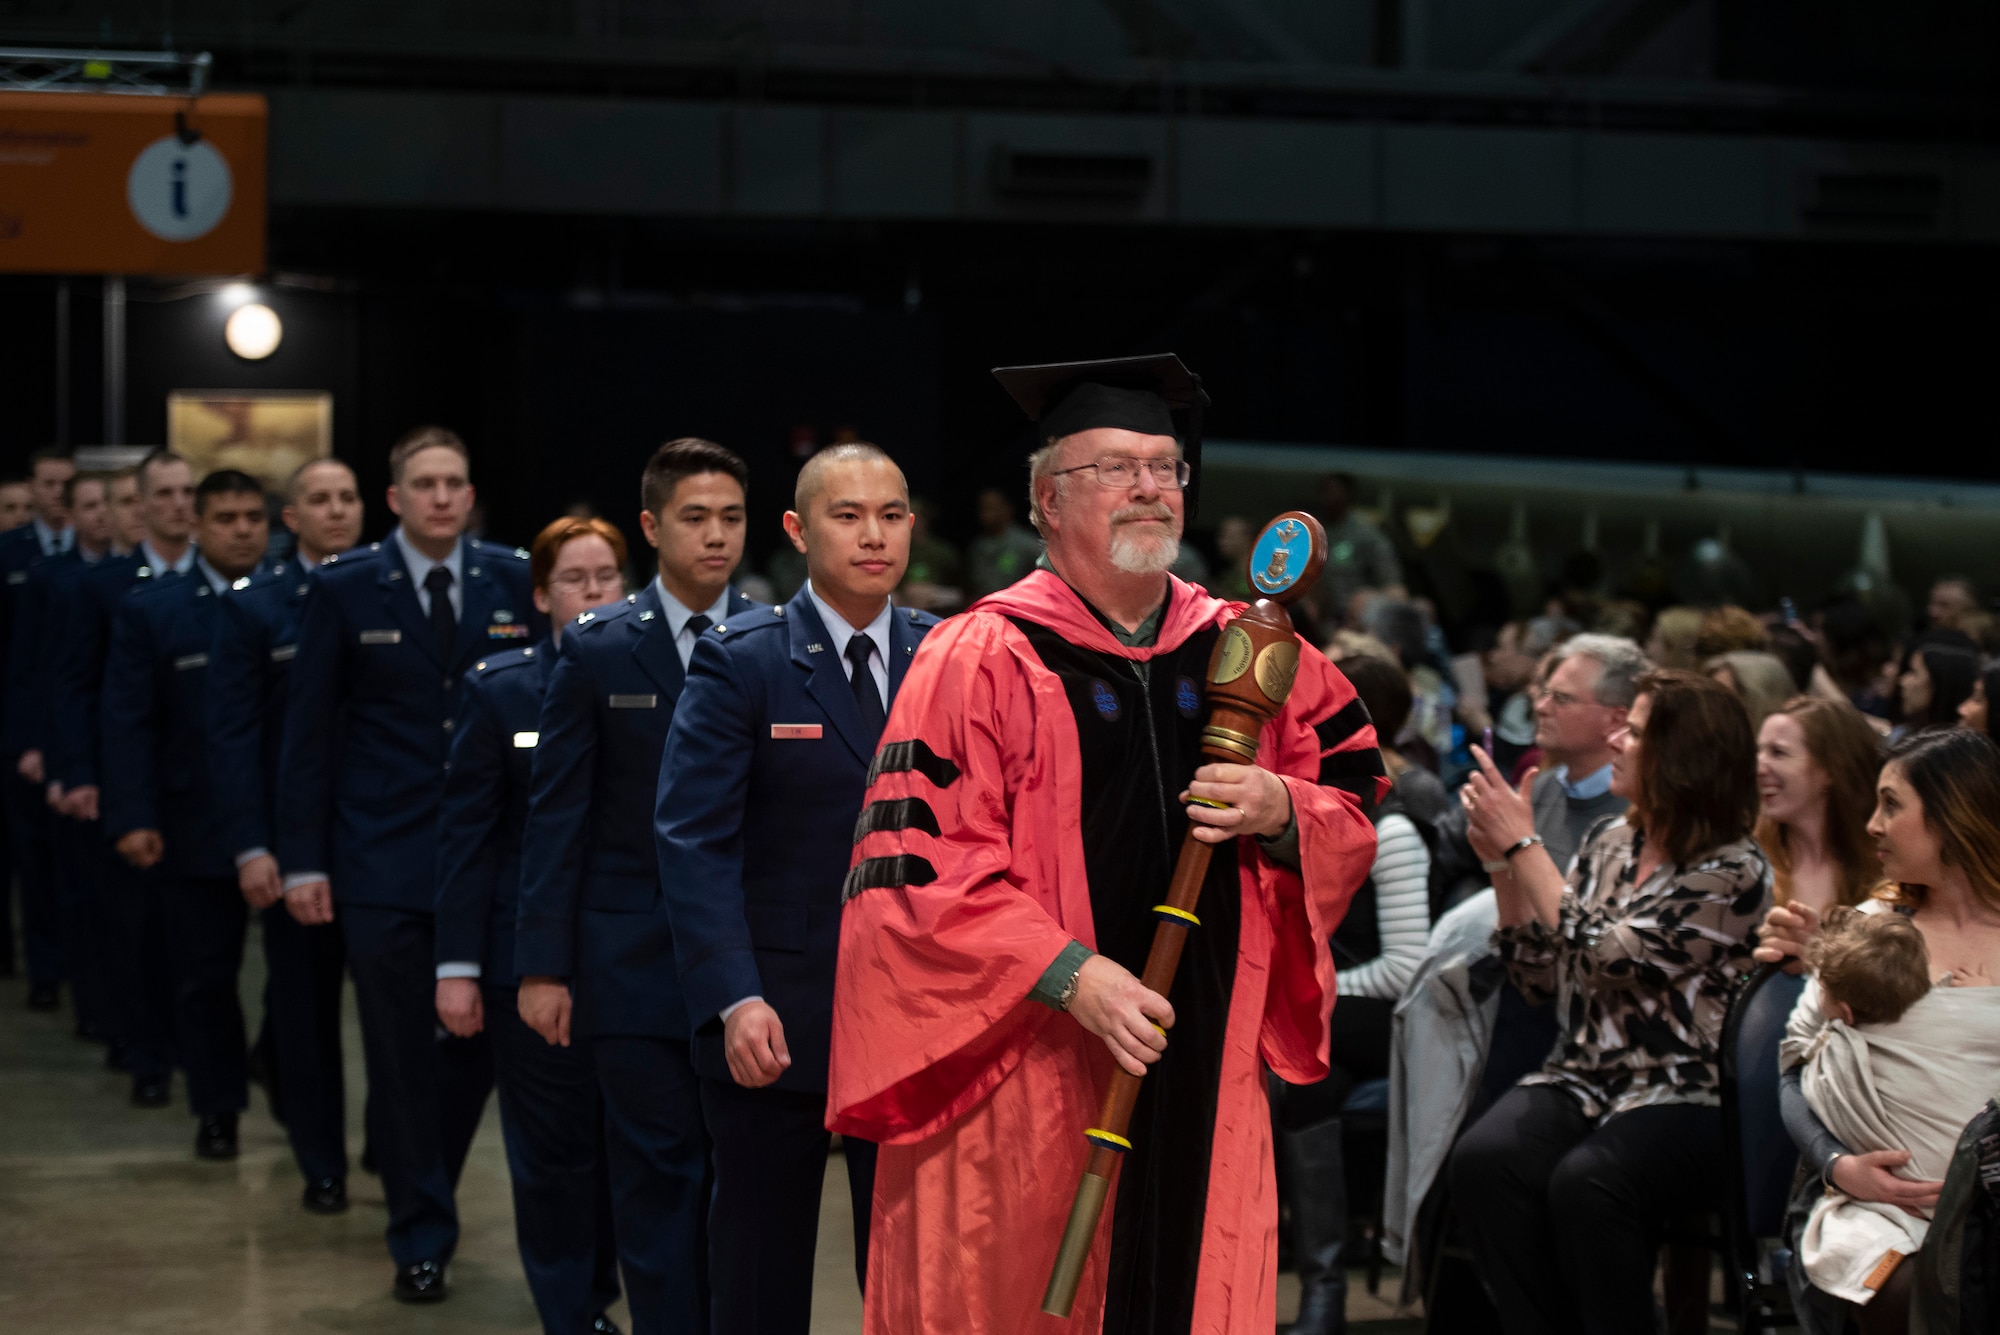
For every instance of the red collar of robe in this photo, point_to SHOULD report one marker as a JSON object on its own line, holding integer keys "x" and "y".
{"x": 1045, "y": 599}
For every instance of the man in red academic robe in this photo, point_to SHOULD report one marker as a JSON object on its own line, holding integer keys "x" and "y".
{"x": 1023, "y": 817}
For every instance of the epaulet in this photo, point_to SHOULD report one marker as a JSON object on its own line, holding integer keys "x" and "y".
{"x": 495, "y": 550}
{"x": 147, "y": 585}
{"x": 759, "y": 617}
{"x": 354, "y": 556}
{"x": 506, "y": 658}
{"x": 603, "y": 616}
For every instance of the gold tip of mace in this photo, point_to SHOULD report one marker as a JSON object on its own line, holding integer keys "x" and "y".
{"x": 1075, "y": 1249}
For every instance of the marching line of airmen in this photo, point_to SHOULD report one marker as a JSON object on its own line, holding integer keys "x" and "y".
{"x": 578, "y": 846}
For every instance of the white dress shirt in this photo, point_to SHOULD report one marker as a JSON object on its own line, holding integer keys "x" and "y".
{"x": 216, "y": 583}
{"x": 420, "y": 569}
{"x": 53, "y": 540}
{"x": 154, "y": 561}
{"x": 841, "y": 633}
{"x": 678, "y": 614}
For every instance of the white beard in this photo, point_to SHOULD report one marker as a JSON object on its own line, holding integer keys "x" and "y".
{"x": 1141, "y": 554}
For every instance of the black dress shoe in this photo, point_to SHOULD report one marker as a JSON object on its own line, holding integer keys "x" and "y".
{"x": 326, "y": 1196}
{"x": 421, "y": 1283}
{"x": 43, "y": 996}
{"x": 152, "y": 1091}
{"x": 604, "y": 1325}
{"x": 216, "y": 1137}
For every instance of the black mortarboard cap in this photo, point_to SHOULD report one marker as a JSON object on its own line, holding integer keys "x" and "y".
{"x": 1155, "y": 395}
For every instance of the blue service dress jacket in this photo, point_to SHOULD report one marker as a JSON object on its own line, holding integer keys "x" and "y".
{"x": 758, "y": 796}
{"x": 369, "y": 713}
{"x": 590, "y": 907}
{"x": 249, "y": 663}
{"x": 154, "y": 706}
{"x": 82, "y": 641}
{"x": 32, "y": 663}
{"x": 485, "y": 808}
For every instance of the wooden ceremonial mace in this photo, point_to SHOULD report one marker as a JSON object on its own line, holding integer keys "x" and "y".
{"x": 1249, "y": 677}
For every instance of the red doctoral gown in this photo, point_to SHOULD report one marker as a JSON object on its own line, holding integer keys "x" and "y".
{"x": 969, "y": 879}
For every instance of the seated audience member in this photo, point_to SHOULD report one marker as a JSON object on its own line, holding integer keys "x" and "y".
{"x": 1623, "y": 618}
{"x": 1760, "y": 680}
{"x": 1889, "y": 1064}
{"x": 1230, "y": 579}
{"x": 1816, "y": 766}
{"x": 1727, "y": 630}
{"x": 1510, "y": 681}
{"x": 1004, "y": 551}
{"x": 1564, "y": 1183}
{"x": 1403, "y": 627}
{"x": 1672, "y": 644}
{"x": 1936, "y": 678}
{"x": 1953, "y": 598}
{"x": 935, "y": 580}
{"x": 1935, "y": 830}
{"x": 1580, "y": 712}
{"x": 1376, "y": 949}
{"x": 1798, "y": 653}
{"x": 1975, "y": 711}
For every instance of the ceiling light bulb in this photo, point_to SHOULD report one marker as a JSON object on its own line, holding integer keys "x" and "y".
{"x": 253, "y": 332}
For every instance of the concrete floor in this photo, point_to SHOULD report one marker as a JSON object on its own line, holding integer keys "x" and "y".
{"x": 109, "y": 1223}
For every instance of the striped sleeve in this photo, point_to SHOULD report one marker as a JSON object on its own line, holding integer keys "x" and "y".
{"x": 1350, "y": 757}
{"x": 1401, "y": 877}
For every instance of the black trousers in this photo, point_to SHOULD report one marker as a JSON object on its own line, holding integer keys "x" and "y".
{"x": 31, "y": 833}
{"x": 141, "y": 964}
{"x": 553, "y": 1122}
{"x": 82, "y": 885}
{"x": 206, "y": 922}
{"x": 660, "y": 1181}
{"x": 304, "y": 968}
{"x": 426, "y": 1088}
{"x": 1564, "y": 1217}
{"x": 763, "y": 1222}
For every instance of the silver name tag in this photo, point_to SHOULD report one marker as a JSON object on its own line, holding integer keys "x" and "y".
{"x": 635, "y": 701}
{"x": 190, "y": 661}
{"x": 284, "y": 653}
{"x": 381, "y": 637}
{"x": 527, "y": 739}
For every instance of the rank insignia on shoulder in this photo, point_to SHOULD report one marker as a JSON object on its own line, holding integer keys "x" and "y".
{"x": 499, "y": 631}
{"x": 778, "y": 612}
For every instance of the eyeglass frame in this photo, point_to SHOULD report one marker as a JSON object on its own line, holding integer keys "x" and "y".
{"x": 585, "y": 578}
{"x": 1183, "y": 471}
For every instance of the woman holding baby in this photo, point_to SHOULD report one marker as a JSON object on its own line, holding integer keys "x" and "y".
{"x": 1565, "y": 1182}
{"x": 1895, "y": 1045}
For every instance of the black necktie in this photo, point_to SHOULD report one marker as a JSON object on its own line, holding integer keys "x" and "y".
{"x": 696, "y": 624}
{"x": 444, "y": 621}
{"x": 866, "y": 698}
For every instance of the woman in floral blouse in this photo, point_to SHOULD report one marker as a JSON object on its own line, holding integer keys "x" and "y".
{"x": 1565, "y": 1181}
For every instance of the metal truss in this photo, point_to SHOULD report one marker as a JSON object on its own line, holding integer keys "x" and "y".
{"x": 147, "y": 73}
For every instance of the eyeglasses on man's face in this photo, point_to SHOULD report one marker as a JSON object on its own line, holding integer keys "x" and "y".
{"x": 571, "y": 581}
{"x": 1122, "y": 471}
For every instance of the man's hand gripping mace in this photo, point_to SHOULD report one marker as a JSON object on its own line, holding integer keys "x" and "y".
{"x": 1249, "y": 677}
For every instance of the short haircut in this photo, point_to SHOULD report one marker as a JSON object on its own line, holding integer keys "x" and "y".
{"x": 1384, "y": 689}
{"x": 49, "y": 454}
{"x": 156, "y": 458}
{"x": 1726, "y": 629}
{"x": 78, "y": 479}
{"x": 685, "y": 458}
{"x": 1873, "y": 963}
{"x": 295, "y": 484}
{"x": 11, "y": 481}
{"x": 1697, "y": 765}
{"x": 848, "y": 452}
{"x": 1963, "y": 581}
{"x": 550, "y": 541}
{"x": 1620, "y": 665}
{"x": 225, "y": 482}
{"x": 424, "y": 438}
{"x": 1538, "y": 635}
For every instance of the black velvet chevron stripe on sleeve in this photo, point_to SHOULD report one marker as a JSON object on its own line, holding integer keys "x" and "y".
{"x": 902, "y": 813}
{"x": 916, "y": 755}
{"x": 1337, "y": 727}
{"x": 887, "y": 873}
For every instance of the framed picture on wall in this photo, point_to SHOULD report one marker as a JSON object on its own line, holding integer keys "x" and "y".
{"x": 265, "y": 433}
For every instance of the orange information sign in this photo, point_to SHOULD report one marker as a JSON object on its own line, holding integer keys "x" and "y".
{"x": 114, "y": 183}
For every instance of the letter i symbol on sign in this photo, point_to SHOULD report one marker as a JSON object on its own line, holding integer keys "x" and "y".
{"x": 180, "y": 187}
